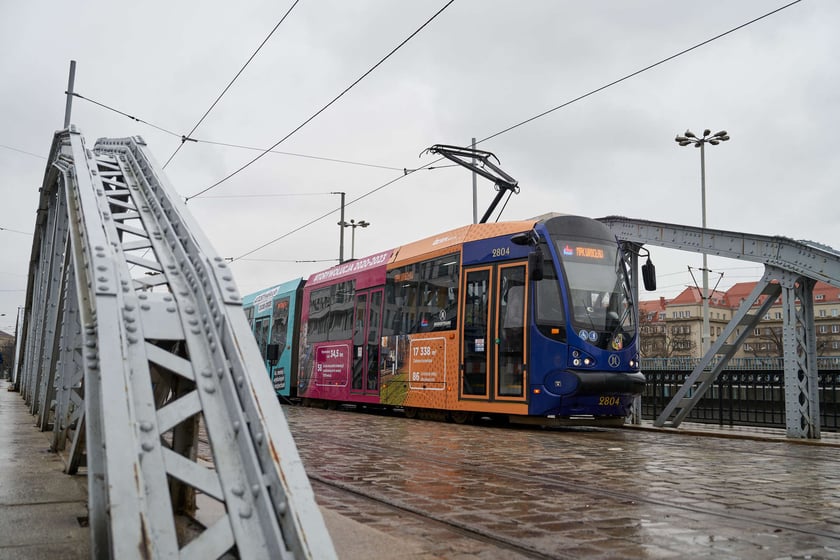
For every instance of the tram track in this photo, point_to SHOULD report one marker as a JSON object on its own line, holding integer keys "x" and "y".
{"x": 452, "y": 482}
{"x": 462, "y": 530}
{"x": 516, "y": 476}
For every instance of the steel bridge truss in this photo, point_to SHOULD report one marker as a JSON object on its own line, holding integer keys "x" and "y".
{"x": 792, "y": 268}
{"x": 134, "y": 340}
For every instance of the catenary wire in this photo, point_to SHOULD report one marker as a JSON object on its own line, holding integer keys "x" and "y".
{"x": 637, "y": 72}
{"x": 542, "y": 114}
{"x": 315, "y": 220}
{"x": 132, "y": 117}
{"x": 22, "y": 151}
{"x": 15, "y": 230}
{"x": 325, "y": 107}
{"x": 198, "y": 140}
{"x": 227, "y": 87}
{"x": 277, "y": 195}
{"x": 291, "y": 260}
{"x": 297, "y": 155}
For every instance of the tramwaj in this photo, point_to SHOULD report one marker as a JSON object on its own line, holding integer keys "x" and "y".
{"x": 274, "y": 316}
{"x": 528, "y": 319}
{"x": 532, "y": 320}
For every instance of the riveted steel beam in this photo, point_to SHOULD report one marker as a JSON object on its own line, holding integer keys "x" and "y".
{"x": 135, "y": 325}
{"x": 791, "y": 270}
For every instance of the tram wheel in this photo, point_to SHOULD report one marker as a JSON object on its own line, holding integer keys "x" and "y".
{"x": 460, "y": 416}
{"x": 410, "y": 412}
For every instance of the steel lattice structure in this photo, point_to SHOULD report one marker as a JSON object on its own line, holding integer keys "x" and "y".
{"x": 133, "y": 336}
{"x": 791, "y": 269}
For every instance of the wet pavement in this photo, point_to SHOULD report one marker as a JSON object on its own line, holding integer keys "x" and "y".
{"x": 577, "y": 493}
{"x": 43, "y": 512}
{"x": 495, "y": 492}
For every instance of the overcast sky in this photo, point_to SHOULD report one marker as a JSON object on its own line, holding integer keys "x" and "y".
{"x": 478, "y": 68}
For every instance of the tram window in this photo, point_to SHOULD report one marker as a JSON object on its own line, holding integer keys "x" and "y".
{"x": 280, "y": 324}
{"x": 261, "y": 333}
{"x": 373, "y": 342}
{"x": 511, "y": 331}
{"x": 318, "y": 327}
{"x": 423, "y": 297}
{"x": 550, "y": 314}
{"x": 331, "y": 312}
{"x": 341, "y": 310}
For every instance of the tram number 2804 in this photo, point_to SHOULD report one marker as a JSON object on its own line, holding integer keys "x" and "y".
{"x": 609, "y": 401}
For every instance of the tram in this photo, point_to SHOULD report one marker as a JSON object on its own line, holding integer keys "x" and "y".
{"x": 274, "y": 316}
{"x": 532, "y": 320}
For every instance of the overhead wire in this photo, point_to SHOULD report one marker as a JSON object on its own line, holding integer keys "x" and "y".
{"x": 544, "y": 113}
{"x": 15, "y": 230}
{"x": 637, "y": 72}
{"x": 215, "y": 143}
{"x": 291, "y": 260}
{"x": 227, "y": 87}
{"x": 273, "y": 195}
{"x": 349, "y": 162}
{"x": 325, "y": 107}
{"x": 123, "y": 113}
{"x": 309, "y": 223}
{"x": 189, "y": 136}
{"x": 22, "y": 151}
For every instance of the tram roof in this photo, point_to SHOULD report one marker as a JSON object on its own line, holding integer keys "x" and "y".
{"x": 288, "y": 286}
{"x": 449, "y": 240}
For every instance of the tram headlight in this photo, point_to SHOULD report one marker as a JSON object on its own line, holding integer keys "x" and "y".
{"x": 578, "y": 358}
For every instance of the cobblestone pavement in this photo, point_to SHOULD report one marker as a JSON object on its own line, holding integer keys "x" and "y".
{"x": 578, "y": 493}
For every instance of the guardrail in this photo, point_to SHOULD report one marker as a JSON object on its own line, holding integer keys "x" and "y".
{"x": 735, "y": 364}
{"x": 749, "y": 392}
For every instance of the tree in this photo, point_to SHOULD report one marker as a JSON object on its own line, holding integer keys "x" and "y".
{"x": 657, "y": 339}
{"x": 766, "y": 343}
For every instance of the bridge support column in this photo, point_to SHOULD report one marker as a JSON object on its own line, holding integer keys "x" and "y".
{"x": 802, "y": 409}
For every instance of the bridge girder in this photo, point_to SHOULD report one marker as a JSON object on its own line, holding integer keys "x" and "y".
{"x": 132, "y": 337}
{"x": 791, "y": 270}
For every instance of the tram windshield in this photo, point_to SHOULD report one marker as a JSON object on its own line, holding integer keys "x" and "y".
{"x": 599, "y": 292}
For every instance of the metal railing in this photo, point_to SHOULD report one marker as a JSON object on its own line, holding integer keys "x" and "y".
{"x": 749, "y": 392}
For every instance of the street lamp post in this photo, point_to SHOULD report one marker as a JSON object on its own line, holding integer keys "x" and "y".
{"x": 341, "y": 230}
{"x": 353, "y": 224}
{"x": 689, "y": 138}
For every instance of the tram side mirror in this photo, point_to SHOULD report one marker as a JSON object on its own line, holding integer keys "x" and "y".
{"x": 649, "y": 275}
{"x": 535, "y": 264}
{"x": 272, "y": 353}
{"x": 535, "y": 257}
{"x": 522, "y": 238}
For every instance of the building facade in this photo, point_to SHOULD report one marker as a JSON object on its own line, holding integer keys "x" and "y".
{"x": 7, "y": 351}
{"x": 673, "y": 328}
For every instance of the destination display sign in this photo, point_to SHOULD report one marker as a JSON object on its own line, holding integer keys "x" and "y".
{"x": 576, "y": 252}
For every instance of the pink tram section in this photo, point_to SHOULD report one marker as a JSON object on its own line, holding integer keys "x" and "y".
{"x": 392, "y": 330}
{"x": 341, "y": 323}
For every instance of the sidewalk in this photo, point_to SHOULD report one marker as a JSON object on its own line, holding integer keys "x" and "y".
{"x": 43, "y": 511}
{"x": 831, "y": 439}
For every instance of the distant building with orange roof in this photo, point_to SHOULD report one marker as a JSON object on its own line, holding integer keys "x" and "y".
{"x": 677, "y": 330}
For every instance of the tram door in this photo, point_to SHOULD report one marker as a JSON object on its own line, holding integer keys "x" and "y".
{"x": 494, "y": 337}
{"x": 367, "y": 327}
